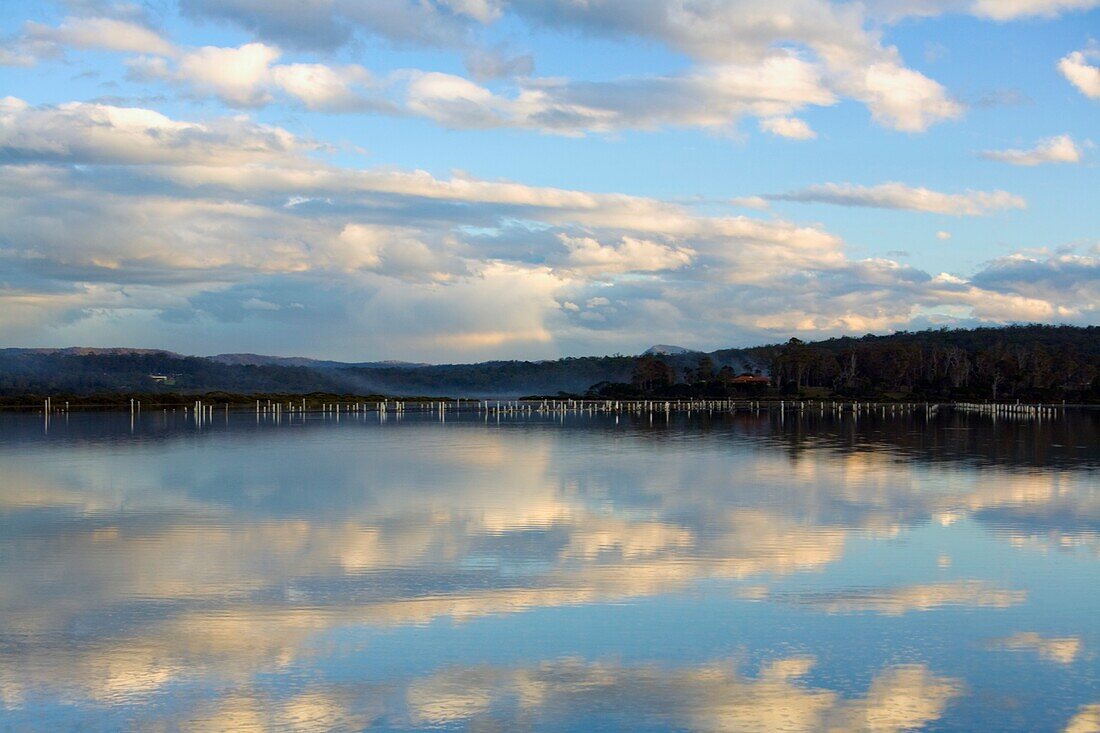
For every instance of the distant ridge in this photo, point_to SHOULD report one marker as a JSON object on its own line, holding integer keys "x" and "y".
{"x": 95, "y": 351}
{"x": 1031, "y": 362}
{"x": 668, "y": 350}
{"x": 302, "y": 361}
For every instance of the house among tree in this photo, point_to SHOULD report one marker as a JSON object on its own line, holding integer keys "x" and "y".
{"x": 751, "y": 380}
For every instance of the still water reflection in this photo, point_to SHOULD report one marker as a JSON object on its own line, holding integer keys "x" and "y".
{"x": 709, "y": 573}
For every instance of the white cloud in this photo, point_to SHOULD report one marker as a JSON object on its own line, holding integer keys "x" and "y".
{"x": 201, "y": 210}
{"x": 454, "y": 101}
{"x": 715, "y": 97}
{"x": 758, "y": 203}
{"x": 397, "y": 251}
{"x": 15, "y": 57}
{"x": 1012, "y": 9}
{"x": 107, "y": 34}
{"x": 329, "y": 24}
{"x": 588, "y": 255}
{"x": 322, "y": 87}
{"x": 484, "y": 64}
{"x": 901, "y": 196}
{"x": 943, "y": 236}
{"x": 1059, "y": 149}
{"x": 790, "y": 127}
{"x": 247, "y": 76}
{"x": 1079, "y": 72}
{"x": 852, "y": 59}
{"x": 898, "y": 97}
{"x": 237, "y": 76}
{"x": 483, "y": 11}
{"x": 95, "y": 133}
{"x": 999, "y": 10}
{"x": 765, "y": 61}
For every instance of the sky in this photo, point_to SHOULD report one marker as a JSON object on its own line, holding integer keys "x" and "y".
{"x": 459, "y": 180}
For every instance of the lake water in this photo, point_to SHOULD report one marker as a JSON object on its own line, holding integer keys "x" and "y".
{"x": 697, "y": 573}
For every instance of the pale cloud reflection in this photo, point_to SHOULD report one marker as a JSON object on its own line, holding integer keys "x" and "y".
{"x": 581, "y": 542}
{"x": 906, "y": 599}
{"x": 711, "y": 697}
{"x": 215, "y": 574}
{"x": 1061, "y": 649}
{"x": 1087, "y": 720}
{"x": 250, "y": 711}
{"x": 1042, "y": 510}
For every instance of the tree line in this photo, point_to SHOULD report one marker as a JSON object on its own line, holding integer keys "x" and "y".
{"x": 1019, "y": 362}
{"x": 1030, "y": 363}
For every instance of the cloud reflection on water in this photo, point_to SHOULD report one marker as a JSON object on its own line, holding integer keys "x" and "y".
{"x": 133, "y": 569}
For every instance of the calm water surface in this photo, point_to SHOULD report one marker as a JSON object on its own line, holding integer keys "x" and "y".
{"x": 708, "y": 573}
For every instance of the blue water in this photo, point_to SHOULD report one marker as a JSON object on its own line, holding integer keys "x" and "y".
{"x": 701, "y": 572}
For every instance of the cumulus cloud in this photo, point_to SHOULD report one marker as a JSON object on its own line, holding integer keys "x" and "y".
{"x": 897, "y": 97}
{"x": 322, "y": 87}
{"x": 900, "y": 196}
{"x": 766, "y": 60}
{"x": 395, "y": 250}
{"x": 14, "y": 56}
{"x": 237, "y": 76}
{"x": 751, "y": 202}
{"x": 714, "y": 98}
{"x": 96, "y": 133}
{"x": 93, "y": 26}
{"x": 109, "y": 34}
{"x": 751, "y": 59}
{"x": 484, "y": 64}
{"x": 1080, "y": 73}
{"x": 1012, "y": 9}
{"x": 1063, "y": 285}
{"x": 790, "y": 127}
{"x": 1059, "y": 149}
{"x": 329, "y": 24}
{"x": 999, "y": 10}
{"x": 247, "y": 76}
{"x": 851, "y": 58}
{"x": 200, "y": 225}
{"x": 630, "y": 254}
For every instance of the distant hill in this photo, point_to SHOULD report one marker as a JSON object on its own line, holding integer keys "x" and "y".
{"x": 92, "y": 351}
{"x": 301, "y": 361}
{"x": 1022, "y": 362}
{"x": 86, "y": 371}
{"x": 1032, "y": 362}
{"x": 666, "y": 350}
{"x": 261, "y": 360}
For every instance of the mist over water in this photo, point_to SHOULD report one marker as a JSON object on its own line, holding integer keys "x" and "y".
{"x": 703, "y": 572}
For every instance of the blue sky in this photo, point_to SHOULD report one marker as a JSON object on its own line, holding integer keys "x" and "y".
{"x": 452, "y": 180}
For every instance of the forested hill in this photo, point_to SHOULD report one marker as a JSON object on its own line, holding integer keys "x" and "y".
{"x": 91, "y": 371}
{"x": 1022, "y": 362}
